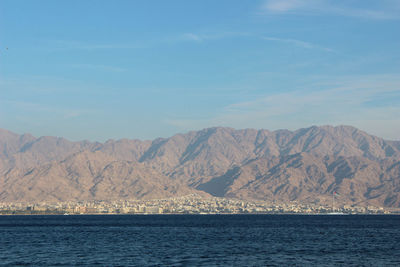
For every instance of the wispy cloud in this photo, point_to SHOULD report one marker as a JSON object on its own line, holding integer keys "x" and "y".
{"x": 38, "y": 84}
{"x": 160, "y": 40}
{"x": 283, "y": 5}
{"x": 35, "y": 108}
{"x": 98, "y": 67}
{"x": 383, "y": 9}
{"x": 299, "y": 43}
{"x": 365, "y": 102}
{"x": 199, "y": 37}
{"x": 205, "y": 37}
{"x": 185, "y": 37}
{"x": 81, "y": 45}
{"x": 192, "y": 37}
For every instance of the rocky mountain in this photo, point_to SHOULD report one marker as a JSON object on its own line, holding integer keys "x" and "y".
{"x": 306, "y": 165}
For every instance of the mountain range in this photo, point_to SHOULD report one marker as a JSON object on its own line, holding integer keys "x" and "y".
{"x": 307, "y": 165}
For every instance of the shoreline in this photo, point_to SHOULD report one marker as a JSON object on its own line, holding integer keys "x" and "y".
{"x": 200, "y": 214}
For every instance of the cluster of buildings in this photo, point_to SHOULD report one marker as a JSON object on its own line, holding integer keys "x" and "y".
{"x": 190, "y": 204}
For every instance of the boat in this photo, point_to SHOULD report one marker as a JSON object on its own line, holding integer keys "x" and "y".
{"x": 333, "y": 212}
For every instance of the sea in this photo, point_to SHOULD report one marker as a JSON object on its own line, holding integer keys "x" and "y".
{"x": 200, "y": 240}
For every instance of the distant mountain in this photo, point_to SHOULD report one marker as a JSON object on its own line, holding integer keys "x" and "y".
{"x": 306, "y": 165}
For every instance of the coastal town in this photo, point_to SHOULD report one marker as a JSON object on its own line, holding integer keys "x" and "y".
{"x": 190, "y": 204}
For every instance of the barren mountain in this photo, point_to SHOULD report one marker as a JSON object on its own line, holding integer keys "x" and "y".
{"x": 306, "y": 165}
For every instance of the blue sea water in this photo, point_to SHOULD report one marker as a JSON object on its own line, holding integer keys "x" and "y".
{"x": 200, "y": 240}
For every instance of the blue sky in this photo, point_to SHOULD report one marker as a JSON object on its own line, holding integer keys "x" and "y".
{"x": 103, "y": 70}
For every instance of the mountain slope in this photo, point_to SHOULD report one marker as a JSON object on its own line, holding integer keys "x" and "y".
{"x": 305, "y": 165}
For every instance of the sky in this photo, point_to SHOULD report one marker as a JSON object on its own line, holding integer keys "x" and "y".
{"x": 100, "y": 70}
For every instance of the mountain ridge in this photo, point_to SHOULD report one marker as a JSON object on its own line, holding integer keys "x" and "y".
{"x": 304, "y": 165}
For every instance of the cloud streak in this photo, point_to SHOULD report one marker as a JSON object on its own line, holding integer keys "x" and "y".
{"x": 283, "y": 5}
{"x": 353, "y": 102}
{"x": 298, "y": 43}
{"x": 98, "y": 67}
{"x": 37, "y": 109}
{"x": 80, "y": 45}
{"x": 200, "y": 37}
{"x": 192, "y": 37}
{"x": 383, "y": 10}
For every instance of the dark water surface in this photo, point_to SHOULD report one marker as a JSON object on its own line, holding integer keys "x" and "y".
{"x": 200, "y": 240}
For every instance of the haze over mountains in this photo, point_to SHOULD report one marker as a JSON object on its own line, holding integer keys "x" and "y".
{"x": 306, "y": 165}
